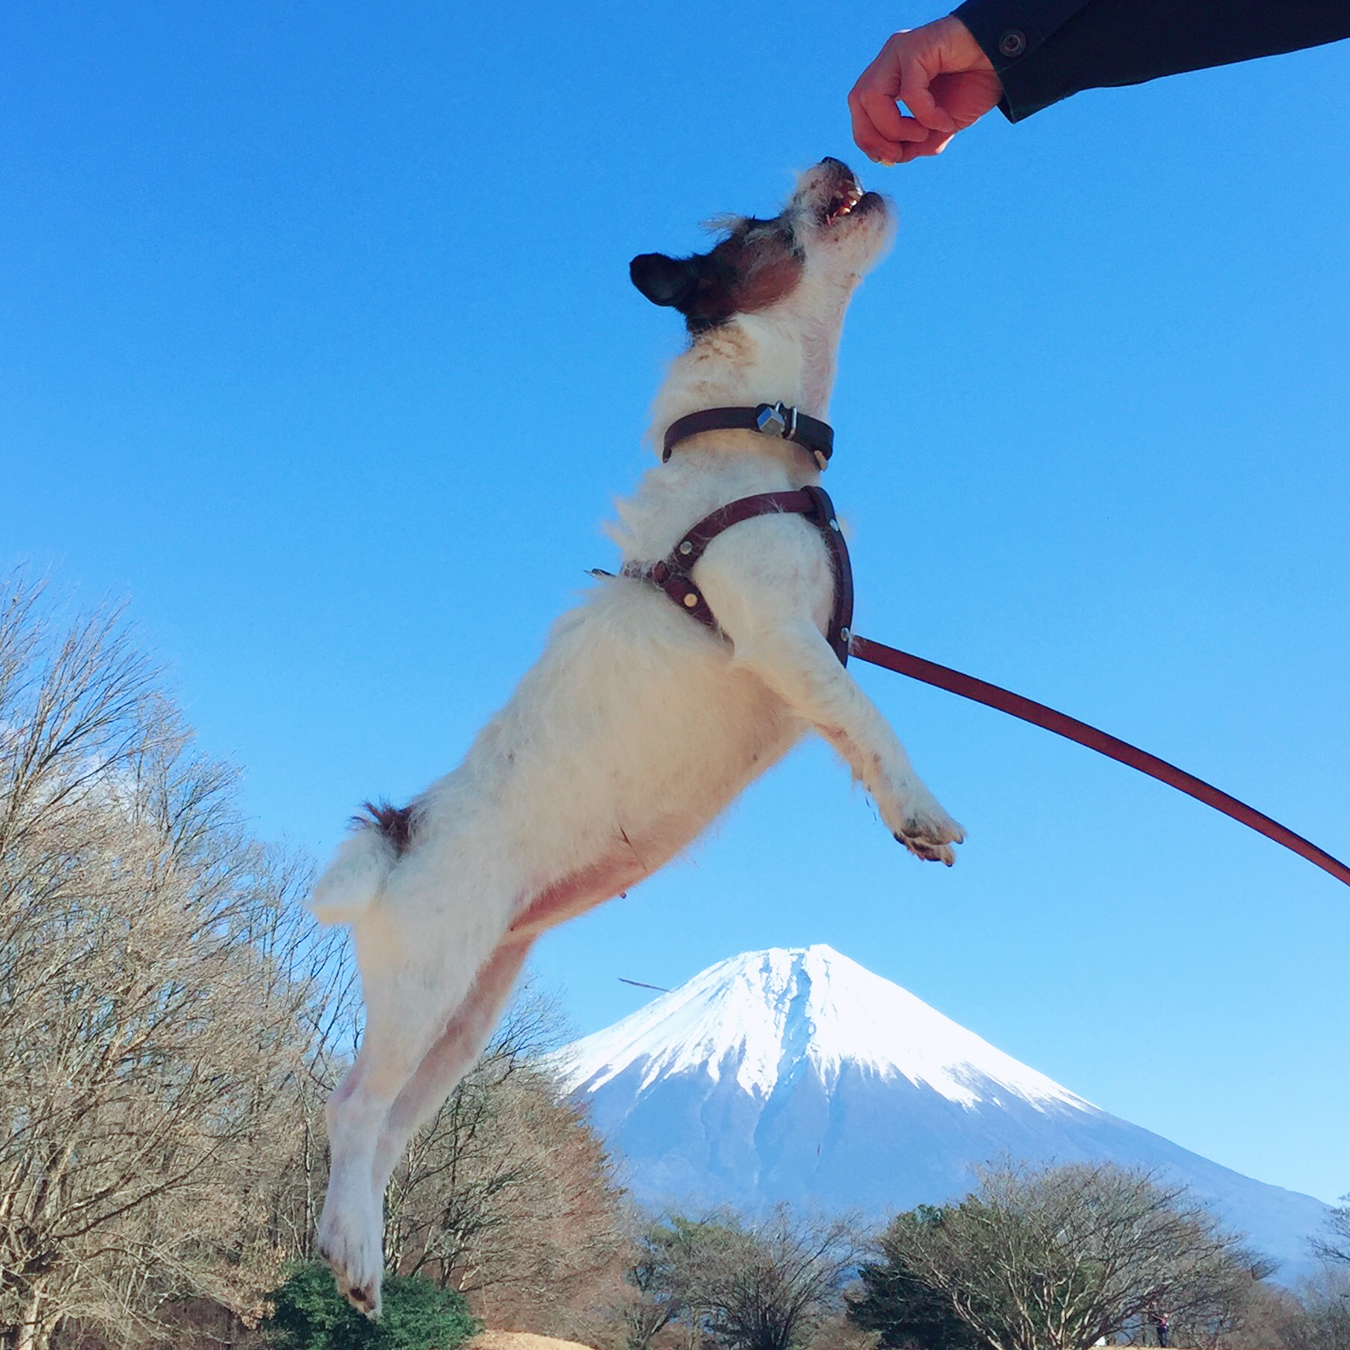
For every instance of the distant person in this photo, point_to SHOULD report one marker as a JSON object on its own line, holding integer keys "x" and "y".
{"x": 1023, "y": 55}
{"x": 1160, "y": 1324}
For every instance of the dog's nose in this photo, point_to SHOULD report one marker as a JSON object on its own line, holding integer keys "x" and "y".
{"x": 836, "y": 163}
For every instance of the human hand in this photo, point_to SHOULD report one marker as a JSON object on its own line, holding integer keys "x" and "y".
{"x": 940, "y": 73}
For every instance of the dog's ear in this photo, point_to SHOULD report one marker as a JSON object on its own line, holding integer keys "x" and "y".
{"x": 663, "y": 280}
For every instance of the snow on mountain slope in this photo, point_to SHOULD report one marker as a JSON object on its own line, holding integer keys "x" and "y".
{"x": 764, "y": 1014}
{"x": 798, "y": 1075}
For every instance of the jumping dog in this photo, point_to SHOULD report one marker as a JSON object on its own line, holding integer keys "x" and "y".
{"x": 639, "y": 724}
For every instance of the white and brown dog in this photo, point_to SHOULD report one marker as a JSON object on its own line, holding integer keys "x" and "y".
{"x": 638, "y": 725}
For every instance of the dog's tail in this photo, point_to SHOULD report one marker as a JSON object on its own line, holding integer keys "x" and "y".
{"x": 352, "y": 882}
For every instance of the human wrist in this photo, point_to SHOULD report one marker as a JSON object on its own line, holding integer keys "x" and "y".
{"x": 966, "y": 50}
{"x": 999, "y": 29}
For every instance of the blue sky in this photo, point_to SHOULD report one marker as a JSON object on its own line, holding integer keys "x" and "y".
{"x": 317, "y": 344}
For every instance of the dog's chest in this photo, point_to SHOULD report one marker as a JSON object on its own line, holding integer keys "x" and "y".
{"x": 672, "y": 497}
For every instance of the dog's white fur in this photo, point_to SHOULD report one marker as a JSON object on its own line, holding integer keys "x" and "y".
{"x": 633, "y": 731}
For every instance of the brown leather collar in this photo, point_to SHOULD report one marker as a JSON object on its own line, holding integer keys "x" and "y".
{"x": 770, "y": 419}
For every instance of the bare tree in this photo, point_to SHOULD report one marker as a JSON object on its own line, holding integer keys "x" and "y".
{"x": 1057, "y": 1259}
{"x": 1320, "y": 1317}
{"x": 658, "y": 1283}
{"x": 838, "y": 1331}
{"x": 785, "y": 1275}
{"x": 155, "y": 982}
{"x": 172, "y": 1024}
{"x": 750, "y": 1286}
{"x": 1336, "y": 1245}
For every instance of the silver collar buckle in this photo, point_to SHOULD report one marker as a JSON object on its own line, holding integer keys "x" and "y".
{"x": 776, "y": 419}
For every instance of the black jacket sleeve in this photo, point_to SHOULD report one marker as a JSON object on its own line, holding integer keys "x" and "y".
{"x": 1045, "y": 50}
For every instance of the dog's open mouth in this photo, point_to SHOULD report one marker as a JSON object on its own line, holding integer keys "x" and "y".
{"x": 837, "y": 194}
{"x": 843, "y": 204}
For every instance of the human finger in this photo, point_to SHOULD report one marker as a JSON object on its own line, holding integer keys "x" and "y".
{"x": 891, "y": 124}
{"x": 918, "y": 66}
{"x": 869, "y": 139}
{"x": 879, "y": 128}
{"x": 877, "y": 120}
{"x": 871, "y": 104}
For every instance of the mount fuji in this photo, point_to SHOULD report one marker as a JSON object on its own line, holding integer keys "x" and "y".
{"x": 796, "y": 1075}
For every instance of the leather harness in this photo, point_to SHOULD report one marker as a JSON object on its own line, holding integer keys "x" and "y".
{"x": 674, "y": 573}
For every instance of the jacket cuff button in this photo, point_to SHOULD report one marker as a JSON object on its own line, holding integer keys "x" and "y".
{"x": 1012, "y": 43}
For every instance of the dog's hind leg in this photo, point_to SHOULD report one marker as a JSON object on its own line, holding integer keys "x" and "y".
{"x": 796, "y": 662}
{"x": 351, "y": 1227}
{"x": 414, "y": 989}
{"x": 450, "y": 1057}
{"x": 425, "y": 1023}
{"x": 455, "y": 1050}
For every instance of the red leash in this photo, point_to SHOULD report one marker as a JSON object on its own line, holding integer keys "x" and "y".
{"x": 674, "y": 575}
{"x": 929, "y": 672}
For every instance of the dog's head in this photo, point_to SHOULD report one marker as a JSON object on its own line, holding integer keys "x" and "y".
{"x": 784, "y": 282}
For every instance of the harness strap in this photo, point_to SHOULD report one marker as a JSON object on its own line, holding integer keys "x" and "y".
{"x": 674, "y": 573}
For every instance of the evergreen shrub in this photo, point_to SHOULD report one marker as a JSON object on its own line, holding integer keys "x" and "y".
{"x": 308, "y": 1313}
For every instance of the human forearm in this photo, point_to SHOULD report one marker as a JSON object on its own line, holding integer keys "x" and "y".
{"x": 1045, "y": 50}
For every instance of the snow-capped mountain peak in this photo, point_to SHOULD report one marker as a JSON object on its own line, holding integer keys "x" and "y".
{"x": 762, "y": 1017}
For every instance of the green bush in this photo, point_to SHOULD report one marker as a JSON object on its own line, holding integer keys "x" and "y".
{"x": 308, "y": 1313}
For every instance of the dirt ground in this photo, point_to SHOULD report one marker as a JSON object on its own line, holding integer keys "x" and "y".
{"x": 520, "y": 1340}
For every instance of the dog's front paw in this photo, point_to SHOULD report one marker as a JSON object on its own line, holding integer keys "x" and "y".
{"x": 927, "y": 831}
{"x": 352, "y": 1247}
